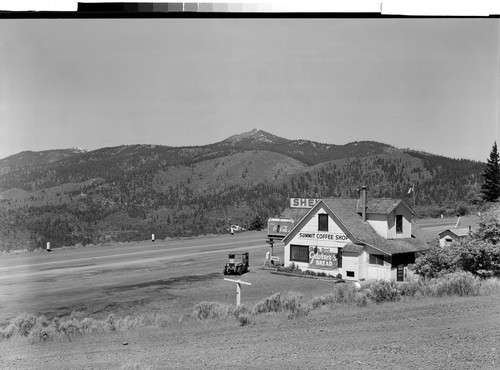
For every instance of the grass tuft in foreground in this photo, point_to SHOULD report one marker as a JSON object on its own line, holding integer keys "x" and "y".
{"x": 40, "y": 329}
{"x": 292, "y": 304}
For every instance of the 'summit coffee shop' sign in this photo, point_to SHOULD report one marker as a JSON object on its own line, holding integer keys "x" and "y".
{"x": 338, "y": 237}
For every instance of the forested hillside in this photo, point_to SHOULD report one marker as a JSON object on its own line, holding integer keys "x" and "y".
{"x": 129, "y": 192}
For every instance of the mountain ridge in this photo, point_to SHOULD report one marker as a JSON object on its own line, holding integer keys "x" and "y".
{"x": 250, "y": 140}
{"x": 126, "y": 192}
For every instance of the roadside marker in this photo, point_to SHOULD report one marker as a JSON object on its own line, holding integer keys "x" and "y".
{"x": 152, "y": 237}
{"x": 48, "y": 247}
{"x": 238, "y": 289}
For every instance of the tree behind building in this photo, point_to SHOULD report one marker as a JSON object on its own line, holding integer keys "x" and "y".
{"x": 491, "y": 185}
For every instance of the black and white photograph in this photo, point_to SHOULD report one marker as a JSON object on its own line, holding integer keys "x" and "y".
{"x": 224, "y": 185}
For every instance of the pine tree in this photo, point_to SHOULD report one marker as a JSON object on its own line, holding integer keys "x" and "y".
{"x": 491, "y": 175}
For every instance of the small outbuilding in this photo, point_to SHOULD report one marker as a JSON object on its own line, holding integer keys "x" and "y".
{"x": 447, "y": 236}
{"x": 356, "y": 238}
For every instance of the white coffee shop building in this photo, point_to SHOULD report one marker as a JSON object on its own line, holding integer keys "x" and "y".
{"x": 360, "y": 239}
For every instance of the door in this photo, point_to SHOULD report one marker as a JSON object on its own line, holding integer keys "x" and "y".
{"x": 400, "y": 275}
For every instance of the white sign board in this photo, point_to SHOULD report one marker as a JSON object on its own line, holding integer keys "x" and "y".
{"x": 303, "y": 202}
{"x": 337, "y": 237}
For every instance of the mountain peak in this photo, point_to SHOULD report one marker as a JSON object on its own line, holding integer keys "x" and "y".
{"x": 255, "y": 136}
{"x": 78, "y": 150}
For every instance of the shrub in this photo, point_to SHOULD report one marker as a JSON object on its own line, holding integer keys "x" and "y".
{"x": 244, "y": 318}
{"x": 159, "y": 319}
{"x": 269, "y": 304}
{"x": 362, "y": 298}
{"x": 20, "y": 325}
{"x": 490, "y": 286}
{"x": 291, "y": 302}
{"x": 110, "y": 322}
{"x": 43, "y": 330}
{"x": 211, "y": 310}
{"x": 344, "y": 293}
{"x": 323, "y": 300}
{"x": 38, "y": 329}
{"x": 70, "y": 328}
{"x": 457, "y": 283}
{"x": 410, "y": 288}
{"x": 383, "y": 291}
{"x": 292, "y": 267}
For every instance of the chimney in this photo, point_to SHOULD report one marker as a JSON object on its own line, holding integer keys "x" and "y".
{"x": 363, "y": 203}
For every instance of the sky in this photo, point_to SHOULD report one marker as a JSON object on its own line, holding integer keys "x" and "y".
{"x": 428, "y": 84}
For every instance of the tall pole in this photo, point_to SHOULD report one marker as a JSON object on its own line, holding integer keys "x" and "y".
{"x": 413, "y": 188}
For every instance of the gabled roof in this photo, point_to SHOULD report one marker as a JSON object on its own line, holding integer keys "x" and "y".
{"x": 296, "y": 214}
{"x": 382, "y": 206}
{"x": 344, "y": 212}
{"x": 462, "y": 231}
{"x": 349, "y": 247}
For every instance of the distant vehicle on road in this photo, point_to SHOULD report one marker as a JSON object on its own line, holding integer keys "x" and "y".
{"x": 238, "y": 264}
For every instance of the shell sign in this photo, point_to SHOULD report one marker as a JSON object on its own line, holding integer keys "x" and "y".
{"x": 323, "y": 258}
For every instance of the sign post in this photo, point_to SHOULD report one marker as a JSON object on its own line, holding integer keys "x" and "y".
{"x": 238, "y": 289}
{"x": 270, "y": 241}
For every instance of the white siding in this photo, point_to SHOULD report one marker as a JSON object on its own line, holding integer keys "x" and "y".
{"x": 379, "y": 223}
{"x": 311, "y": 228}
{"x": 405, "y": 212}
{"x": 378, "y": 272}
{"x": 350, "y": 263}
{"x": 446, "y": 235}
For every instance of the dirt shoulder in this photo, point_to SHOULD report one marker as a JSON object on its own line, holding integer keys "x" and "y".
{"x": 446, "y": 333}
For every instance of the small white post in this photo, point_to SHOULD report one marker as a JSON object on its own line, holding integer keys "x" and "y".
{"x": 238, "y": 289}
{"x": 238, "y": 294}
{"x": 152, "y": 237}
{"x": 48, "y": 247}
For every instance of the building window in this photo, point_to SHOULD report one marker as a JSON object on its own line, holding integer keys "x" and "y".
{"x": 376, "y": 259}
{"x": 349, "y": 273}
{"x": 399, "y": 223}
{"x": 299, "y": 253}
{"x": 322, "y": 222}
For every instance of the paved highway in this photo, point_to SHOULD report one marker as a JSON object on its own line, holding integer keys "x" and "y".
{"x": 61, "y": 261}
{"x": 91, "y": 278}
